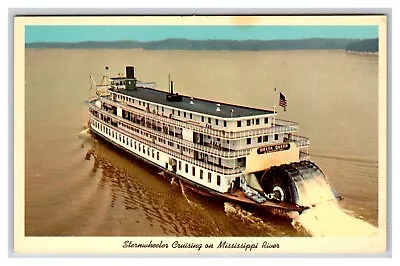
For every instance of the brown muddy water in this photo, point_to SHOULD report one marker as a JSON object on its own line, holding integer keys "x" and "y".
{"x": 331, "y": 94}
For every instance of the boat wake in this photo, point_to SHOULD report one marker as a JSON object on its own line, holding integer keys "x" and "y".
{"x": 84, "y": 134}
{"x": 326, "y": 218}
{"x": 191, "y": 203}
{"x": 235, "y": 211}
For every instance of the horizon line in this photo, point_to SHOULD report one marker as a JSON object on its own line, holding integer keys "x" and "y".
{"x": 199, "y": 40}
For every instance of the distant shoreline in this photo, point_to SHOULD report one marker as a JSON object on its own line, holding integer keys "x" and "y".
{"x": 210, "y": 45}
{"x": 362, "y": 53}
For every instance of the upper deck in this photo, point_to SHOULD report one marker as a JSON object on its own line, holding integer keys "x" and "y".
{"x": 197, "y": 105}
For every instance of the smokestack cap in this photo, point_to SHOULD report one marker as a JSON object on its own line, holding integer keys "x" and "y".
{"x": 130, "y": 72}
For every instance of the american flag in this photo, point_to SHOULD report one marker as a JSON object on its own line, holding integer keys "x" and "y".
{"x": 282, "y": 101}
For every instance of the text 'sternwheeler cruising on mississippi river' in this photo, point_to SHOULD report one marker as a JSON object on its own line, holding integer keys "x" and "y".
{"x": 239, "y": 153}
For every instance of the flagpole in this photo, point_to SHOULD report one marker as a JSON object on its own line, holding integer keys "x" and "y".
{"x": 273, "y": 126}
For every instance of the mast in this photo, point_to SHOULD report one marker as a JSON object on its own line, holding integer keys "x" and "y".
{"x": 169, "y": 82}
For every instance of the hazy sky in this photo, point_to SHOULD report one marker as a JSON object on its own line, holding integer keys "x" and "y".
{"x": 151, "y": 33}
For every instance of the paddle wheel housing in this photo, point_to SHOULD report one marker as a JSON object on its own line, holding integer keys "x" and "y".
{"x": 284, "y": 181}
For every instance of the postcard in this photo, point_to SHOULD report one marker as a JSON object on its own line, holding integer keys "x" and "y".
{"x": 247, "y": 135}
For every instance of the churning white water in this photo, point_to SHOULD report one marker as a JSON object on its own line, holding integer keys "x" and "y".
{"x": 326, "y": 218}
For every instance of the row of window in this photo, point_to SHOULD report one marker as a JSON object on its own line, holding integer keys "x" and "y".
{"x": 142, "y": 148}
{"x": 262, "y": 139}
{"x": 155, "y": 138}
{"x": 125, "y": 140}
{"x": 209, "y": 120}
{"x": 132, "y": 100}
{"x": 201, "y": 173}
{"x": 249, "y": 122}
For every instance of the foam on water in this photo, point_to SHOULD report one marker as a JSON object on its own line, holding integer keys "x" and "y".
{"x": 84, "y": 134}
{"x": 184, "y": 193}
{"x": 236, "y": 211}
{"x": 326, "y": 218}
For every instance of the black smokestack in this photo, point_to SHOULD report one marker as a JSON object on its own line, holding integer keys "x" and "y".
{"x": 171, "y": 97}
{"x": 130, "y": 72}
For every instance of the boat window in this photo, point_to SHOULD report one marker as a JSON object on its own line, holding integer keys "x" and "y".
{"x": 265, "y": 138}
{"x": 162, "y": 109}
{"x": 152, "y": 153}
{"x": 186, "y": 168}
{"x": 266, "y": 120}
{"x": 157, "y": 107}
{"x": 201, "y": 174}
{"x": 276, "y": 136}
{"x": 202, "y": 118}
{"x": 139, "y": 147}
{"x": 184, "y": 114}
{"x": 158, "y": 156}
{"x": 248, "y": 122}
{"x": 179, "y": 113}
{"x": 209, "y": 120}
{"x": 225, "y": 123}
{"x": 239, "y": 123}
{"x": 180, "y": 165}
{"x": 257, "y": 121}
{"x": 209, "y": 177}
{"x": 259, "y": 139}
{"x": 190, "y": 116}
{"x": 135, "y": 145}
{"x": 216, "y": 122}
{"x": 248, "y": 141}
{"x": 218, "y": 180}
{"x": 193, "y": 171}
{"x": 173, "y": 111}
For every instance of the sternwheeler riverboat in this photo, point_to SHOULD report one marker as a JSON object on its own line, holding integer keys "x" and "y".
{"x": 238, "y": 153}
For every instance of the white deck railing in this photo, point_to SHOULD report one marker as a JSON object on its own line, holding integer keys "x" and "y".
{"x": 301, "y": 141}
{"x": 280, "y": 126}
{"x": 216, "y": 151}
{"x": 214, "y": 168}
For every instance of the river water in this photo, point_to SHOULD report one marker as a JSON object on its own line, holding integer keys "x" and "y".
{"x": 333, "y": 96}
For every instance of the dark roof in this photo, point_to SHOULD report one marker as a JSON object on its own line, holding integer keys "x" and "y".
{"x": 200, "y": 105}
